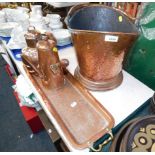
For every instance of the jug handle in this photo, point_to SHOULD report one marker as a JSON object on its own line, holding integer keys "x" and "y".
{"x": 31, "y": 28}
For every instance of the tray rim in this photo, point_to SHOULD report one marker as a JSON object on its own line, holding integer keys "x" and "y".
{"x": 63, "y": 127}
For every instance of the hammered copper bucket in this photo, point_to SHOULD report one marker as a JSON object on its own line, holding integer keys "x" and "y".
{"x": 101, "y": 36}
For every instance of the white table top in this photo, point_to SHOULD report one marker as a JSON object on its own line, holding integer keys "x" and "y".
{"x": 63, "y": 4}
{"x": 120, "y": 102}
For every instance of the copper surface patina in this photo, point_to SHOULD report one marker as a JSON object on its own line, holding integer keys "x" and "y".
{"x": 80, "y": 116}
{"x": 49, "y": 64}
{"x": 99, "y": 57}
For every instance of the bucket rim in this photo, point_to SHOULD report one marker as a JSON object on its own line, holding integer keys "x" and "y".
{"x": 80, "y": 6}
{"x": 102, "y": 32}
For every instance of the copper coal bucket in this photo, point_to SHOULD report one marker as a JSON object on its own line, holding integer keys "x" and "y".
{"x": 101, "y": 36}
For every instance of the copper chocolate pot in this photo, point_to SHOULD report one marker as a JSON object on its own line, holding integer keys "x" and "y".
{"x": 101, "y": 36}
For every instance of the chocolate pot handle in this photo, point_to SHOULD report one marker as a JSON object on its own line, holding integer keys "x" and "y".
{"x": 64, "y": 62}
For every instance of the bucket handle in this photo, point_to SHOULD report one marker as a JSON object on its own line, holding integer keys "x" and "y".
{"x": 76, "y": 7}
{"x": 132, "y": 19}
{"x": 66, "y": 21}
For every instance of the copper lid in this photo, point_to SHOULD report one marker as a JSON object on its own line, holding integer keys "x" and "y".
{"x": 32, "y": 37}
{"x": 42, "y": 45}
{"x": 45, "y": 44}
{"x": 50, "y": 36}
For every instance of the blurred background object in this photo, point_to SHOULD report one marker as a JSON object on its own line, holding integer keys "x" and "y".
{"x": 140, "y": 61}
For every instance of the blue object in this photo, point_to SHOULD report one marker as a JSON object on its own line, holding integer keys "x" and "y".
{"x": 5, "y": 38}
{"x": 17, "y": 54}
{"x": 65, "y": 46}
{"x": 143, "y": 110}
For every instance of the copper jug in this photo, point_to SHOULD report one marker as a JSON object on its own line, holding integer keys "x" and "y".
{"x": 49, "y": 64}
{"x": 101, "y": 36}
{"x": 30, "y": 54}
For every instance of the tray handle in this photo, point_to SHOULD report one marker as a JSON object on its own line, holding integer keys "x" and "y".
{"x": 100, "y": 146}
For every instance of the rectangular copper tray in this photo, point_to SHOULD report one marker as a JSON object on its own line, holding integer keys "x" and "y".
{"x": 81, "y": 117}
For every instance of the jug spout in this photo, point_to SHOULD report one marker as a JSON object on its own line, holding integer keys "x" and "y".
{"x": 101, "y": 36}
